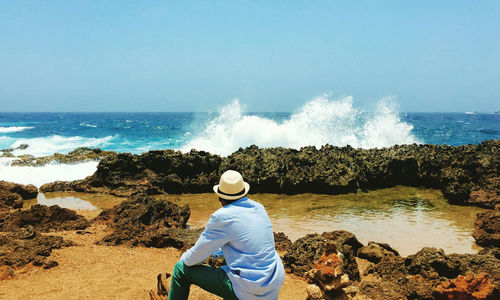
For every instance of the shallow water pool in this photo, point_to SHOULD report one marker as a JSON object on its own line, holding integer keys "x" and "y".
{"x": 406, "y": 218}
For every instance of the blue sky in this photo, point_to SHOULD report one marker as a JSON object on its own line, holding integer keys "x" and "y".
{"x": 272, "y": 55}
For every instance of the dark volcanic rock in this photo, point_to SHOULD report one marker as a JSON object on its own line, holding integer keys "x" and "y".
{"x": 145, "y": 221}
{"x": 13, "y": 194}
{"x": 25, "y": 245}
{"x": 374, "y": 252}
{"x": 281, "y": 241}
{"x": 44, "y": 218}
{"x": 466, "y": 174}
{"x": 10, "y": 200}
{"x": 391, "y": 270}
{"x": 144, "y": 210}
{"x": 487, "y": 229}
{"x": 433, "y": 264}
{"x": 304, "y": 252}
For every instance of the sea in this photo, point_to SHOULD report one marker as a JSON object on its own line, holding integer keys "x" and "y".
{"x": 317, "y": 122}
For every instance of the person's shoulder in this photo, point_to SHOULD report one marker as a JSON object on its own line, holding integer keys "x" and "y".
{"x": 255, "y": 203}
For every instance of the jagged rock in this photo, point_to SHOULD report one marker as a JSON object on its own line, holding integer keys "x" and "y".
{"x": 10, "y": 200}
{"x": 44, "y": 218}
{"x": 393, "y": 272}
{"x": 487, "y": 229}
{"x": 374, "y": 252}
{"x": 24, "y": 191}
{"x": 145, "y": 221}
{"x": 462, "y": 172}
{"x": 281, "y": 241}
{"x": 305, "y": 251}
{"x": 430, "y": 263}
{"x": 327, "y": 273}
{"x": 78, "y": 155}
{"x": 25, "y": 245}
{"x": 470, "y": 286}
{"x": 486, "y": 198}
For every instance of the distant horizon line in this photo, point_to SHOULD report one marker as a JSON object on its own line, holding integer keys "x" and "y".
{"x": 207, "y": 112}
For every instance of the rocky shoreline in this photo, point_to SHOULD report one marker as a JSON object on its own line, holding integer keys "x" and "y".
{"x": 467, "y": 175}
{"x": 335, "y": 264}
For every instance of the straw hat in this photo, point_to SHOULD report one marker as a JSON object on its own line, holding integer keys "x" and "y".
{"x": 231, "y": 186}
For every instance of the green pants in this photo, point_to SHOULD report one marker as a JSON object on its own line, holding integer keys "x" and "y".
{"x": 213, "y": 280}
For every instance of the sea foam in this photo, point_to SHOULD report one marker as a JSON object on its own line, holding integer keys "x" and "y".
{"x": 45, "y": 174}
{"x": 14, "y": 129}
{"x": 318, "y": 122}
{"x": 41, "y": 146}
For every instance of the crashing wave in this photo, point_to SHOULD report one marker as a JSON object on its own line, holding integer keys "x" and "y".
{"x": 318, "y": 122}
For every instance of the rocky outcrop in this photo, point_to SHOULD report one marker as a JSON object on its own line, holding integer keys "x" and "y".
{"x": 487, "y": 229}
{"x": 305, "y": 251}
{"x": 12, "y": 195}
{"x": 470, "y": 286}
{"x": 7, "y": 152}
{"x": 43, "y": 218}
{"x": 417, "y": 275}
{"x": 78, "y": 155}
{"x": 281, "y": 241}
{"x": 145, "y": 221}
{"x": 326, "y": 276}
{"x": 465, "y": 174}
{"x": 374, "y": 252}
{"x": 25, "y": 245}
{"x": 388, "y": 276}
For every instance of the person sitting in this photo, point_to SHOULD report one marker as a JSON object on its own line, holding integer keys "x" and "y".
{"x": 242, "y": 228}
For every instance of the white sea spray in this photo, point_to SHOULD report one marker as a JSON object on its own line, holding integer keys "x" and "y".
{"x": 41, "y": 146}
{"x": 318, "y": 122}
{"x": 45, "y": 174}
{"x": 13, "y": 129}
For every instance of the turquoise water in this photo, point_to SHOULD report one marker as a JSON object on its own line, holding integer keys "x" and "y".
{"x": 47, "y": 133}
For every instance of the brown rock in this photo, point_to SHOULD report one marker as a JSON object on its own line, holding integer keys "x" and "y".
{"x": 327, "y": 272}
{"x": 485, "y": 197}
{"x": 10, "y": 200}
{"x": 24, "y": 246}
{"x": 281, "y": 241}
{"x": 470, "y": 286}
{"x": 13, "y": 194}
{"x": 305, "y": 251}
{"x": 374, "y": 252}
{"x": 487, "y": 229}
{"x": 149, "y": 222}
{"x": 379, "y": 290}
{"x": 44, "y": 218}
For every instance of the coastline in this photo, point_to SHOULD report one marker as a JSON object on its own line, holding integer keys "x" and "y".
{"x": 466, "y": 175}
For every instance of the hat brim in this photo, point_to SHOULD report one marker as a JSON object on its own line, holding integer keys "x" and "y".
{"x": 226, "y": 197}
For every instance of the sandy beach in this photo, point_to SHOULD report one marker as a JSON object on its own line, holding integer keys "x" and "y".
{"x": 89, "y": 271}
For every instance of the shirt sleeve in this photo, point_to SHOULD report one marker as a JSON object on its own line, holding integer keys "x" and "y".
{"x": 214, "y": 237}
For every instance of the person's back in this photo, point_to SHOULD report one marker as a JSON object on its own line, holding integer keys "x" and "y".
{"x": 242, "y": 228}
{"x": 252, "y": 261}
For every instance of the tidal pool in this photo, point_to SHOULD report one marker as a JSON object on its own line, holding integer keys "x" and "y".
{"x": 406, "y": 218}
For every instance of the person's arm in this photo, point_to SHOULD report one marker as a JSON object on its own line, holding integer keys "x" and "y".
{"x": 214, "y": 237}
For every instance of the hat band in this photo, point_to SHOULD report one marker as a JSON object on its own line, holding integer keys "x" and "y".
{"x": 231, "y": 195}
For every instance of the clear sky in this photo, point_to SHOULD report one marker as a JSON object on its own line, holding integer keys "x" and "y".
{"x": 272, "y": 55}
